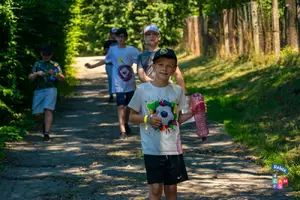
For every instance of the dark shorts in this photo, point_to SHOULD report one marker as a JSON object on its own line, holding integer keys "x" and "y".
{"x": 123, "y": 98}
{"x": 168, "y": 170}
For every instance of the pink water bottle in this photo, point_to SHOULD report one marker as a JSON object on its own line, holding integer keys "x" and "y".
{"x": 199, "y": 107}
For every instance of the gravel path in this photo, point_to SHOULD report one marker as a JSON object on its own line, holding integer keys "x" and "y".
{"x": 86, "y": 161}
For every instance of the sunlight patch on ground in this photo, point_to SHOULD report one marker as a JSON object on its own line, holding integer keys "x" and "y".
{"x": 71, "y": 116}
{"x": 109, "y": 124}
{"x": 123, "y": 153}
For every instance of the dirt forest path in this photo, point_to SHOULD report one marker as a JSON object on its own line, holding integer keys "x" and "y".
{"x": 86, "y": 161}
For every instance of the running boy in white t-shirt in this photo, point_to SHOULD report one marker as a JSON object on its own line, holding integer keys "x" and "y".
{"x": 157, "y": 106}
{"x": 123, "y": 78}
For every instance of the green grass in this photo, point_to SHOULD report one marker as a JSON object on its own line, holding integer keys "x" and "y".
{"x": 257, "y": 99}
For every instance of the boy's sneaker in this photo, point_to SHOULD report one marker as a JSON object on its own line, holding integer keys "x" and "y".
{"x": 47, "y": 138}
{"x": 123, "y": 136}
{"x": 127, "y": 129}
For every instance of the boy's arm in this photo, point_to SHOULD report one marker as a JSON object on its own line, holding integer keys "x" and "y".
{"x": 59, "y": 76}
{"x": 141, "y": 72}
{"x": 179, "y": 79}
{"x": 135, "y": 118}
{"x": 142, "y": 75}
{"x": 101, "y": 62}
{"x": 34, "y": 73}
{"x": 183, "y": 106}
{"x": 184, "y": 117}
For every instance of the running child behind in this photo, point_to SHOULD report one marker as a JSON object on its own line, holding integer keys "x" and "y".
{"x": 123, "y": 78}
{"x": 144, "y": 62}
{"x": 157, "y": 107}
{"x": 45, "y": 74}
{"x": 108, "y": 43}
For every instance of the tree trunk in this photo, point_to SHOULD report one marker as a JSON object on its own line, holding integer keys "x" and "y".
{"x": 240, "y": 30}
{"x": 190, "y": 35}
{"x": 197, "y": 36}
{"x": 292, "y": 40}
{"x": 268, "y": 34}
{"x": 226, "y": 33}
{"x": 203, "y": 32}
{"x": 231, "y": 31}
{"x": 276, "y": 28}
{"x": 246, "y": 32}
{"x": 255, "y": 26}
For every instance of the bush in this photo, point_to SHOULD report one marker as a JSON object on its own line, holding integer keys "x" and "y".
{"x": 26, "y": 26}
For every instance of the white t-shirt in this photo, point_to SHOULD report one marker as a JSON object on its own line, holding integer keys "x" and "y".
{"x": 165, "y": 102}
{"x": 123, "y": 77}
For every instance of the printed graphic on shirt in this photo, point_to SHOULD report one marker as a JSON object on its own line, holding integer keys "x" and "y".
{"x": 48, "y": 80}
{"x": 121, "y": 60}
{"x": 125, "y": 72}
{"x": 167, "y": 112}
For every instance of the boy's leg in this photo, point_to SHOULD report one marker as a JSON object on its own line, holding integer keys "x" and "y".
{"x": 40, "y": 118}
{"x": 126, "y": 119}
{"x": 175, "y": 172}
{"x": 155, "y": 191}
{"x": 48, "y": 120}
{"x": 121, "y": 116}
{"x": 155, "y": 169}
{"x": 109, "y": 76}
{"x": 121, "y": 102}
{"x": 129, "y": 96}
{"x": 38, "y": 108}
{"x": 170, "y": 192}
{"x": 49, "y": 107}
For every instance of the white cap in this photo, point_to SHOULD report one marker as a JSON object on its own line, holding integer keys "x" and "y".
{"x": 151, "y": 27}
{"x": 113, "y": 30}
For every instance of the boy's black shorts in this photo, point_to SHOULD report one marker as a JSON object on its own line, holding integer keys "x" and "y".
{"x": 123, "y": 98}
{"x": 166, "y": 169}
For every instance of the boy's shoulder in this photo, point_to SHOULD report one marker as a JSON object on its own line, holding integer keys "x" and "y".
{"x": 175, "y": 86}
{"x": 113, "y": 47}
{"x": 42, "y": 62}
{"x": 131, "y": 47}
{"x": 146, "y": 85}
{"x": 55, "y": 64}
{"x": 145, "y": 54}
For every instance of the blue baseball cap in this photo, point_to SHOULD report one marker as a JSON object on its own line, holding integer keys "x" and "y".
{"x": 151, "y": 27}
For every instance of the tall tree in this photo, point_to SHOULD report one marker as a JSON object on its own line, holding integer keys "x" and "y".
{"x": 276, "y": 35}
{"x": 240, "y": 31}
{"x": 226, "y": 33}
{"x": 292, "y": 39}
{"x": 255, "y": 26}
